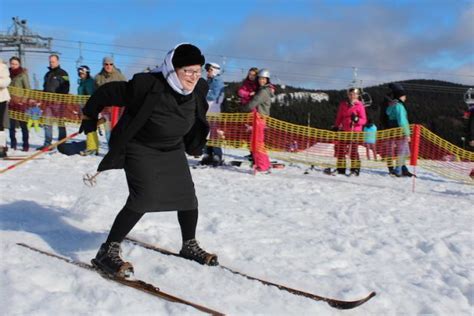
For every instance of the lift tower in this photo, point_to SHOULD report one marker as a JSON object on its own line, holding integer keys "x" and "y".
{"x": 20, "y": 39}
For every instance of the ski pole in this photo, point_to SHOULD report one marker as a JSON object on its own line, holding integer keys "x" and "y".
{"x": 89, "y": 179}
{"x": 44, "y": 150}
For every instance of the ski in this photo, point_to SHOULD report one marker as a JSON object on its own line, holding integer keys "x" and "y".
{"x": 133, "y": 283}
{"x": 239, "y": 163}
{"x": 339, "y": 304}
{"x": 18, "y": 158}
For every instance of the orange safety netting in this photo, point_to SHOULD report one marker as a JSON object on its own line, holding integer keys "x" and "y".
{"x": 55, "y": 108}
{"x": 312, "y": 146}
{"x": 287, "y": 141}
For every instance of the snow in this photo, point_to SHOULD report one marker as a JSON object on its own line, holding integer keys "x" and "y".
{"x": 334, "y": 236}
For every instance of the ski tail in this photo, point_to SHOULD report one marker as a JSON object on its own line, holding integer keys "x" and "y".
{"x": 135, "y": 283}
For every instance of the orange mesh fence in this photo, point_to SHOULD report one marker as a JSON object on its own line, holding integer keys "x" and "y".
{"x": 286, "y": 141}
{"x": 324, "y": 148}
{"x": 55, "y": 108}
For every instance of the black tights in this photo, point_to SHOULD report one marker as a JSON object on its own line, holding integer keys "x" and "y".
{"x": 127, "y": 219}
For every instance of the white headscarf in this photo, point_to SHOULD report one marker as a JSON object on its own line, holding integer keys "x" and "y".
{"x": 169, "y": 72}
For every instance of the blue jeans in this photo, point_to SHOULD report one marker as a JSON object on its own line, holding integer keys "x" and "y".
{"x": 24, "y": 133}
{"x": 48, "y": 134}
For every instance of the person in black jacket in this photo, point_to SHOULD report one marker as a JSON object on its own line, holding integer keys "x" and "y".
{"x": 164, "y": 117}
{"x": 56, "y": 80}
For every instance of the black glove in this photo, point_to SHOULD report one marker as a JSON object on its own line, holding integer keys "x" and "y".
{"x": 87, "y": 126}
{"x": 354, "y": 118}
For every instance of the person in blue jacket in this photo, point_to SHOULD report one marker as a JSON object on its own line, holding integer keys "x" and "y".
{"x": 397, "y": 117}
{"x": 370, "y": 138}
{"x": 215, "y": 96}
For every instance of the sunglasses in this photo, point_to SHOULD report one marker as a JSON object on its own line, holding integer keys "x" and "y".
{"x": 108, "y": 64}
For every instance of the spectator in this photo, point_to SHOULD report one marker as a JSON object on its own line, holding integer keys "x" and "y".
{"x": 470, "y": 133}
{"x": 87, "y": 87}
{"x": 385, "y": 146}
{"x": 86, "y": 84}
{"x": 249, "y": 86}
{"x": 109, "y": 73}
{"x": 470, "y": 128}
{"x": 350, "y": 117}
{"x": 215, "y": 96}
{"x": 165, "y": 116}
{"x": 56, "y": 80}
{"x": 370, "y": 139}
{"x": 246, "y": 92}
{"x": 261, "y": 103}
{"x": 4, "y": 98}
{"x": 397, "y": 117}
{"x": 19, "y": 77}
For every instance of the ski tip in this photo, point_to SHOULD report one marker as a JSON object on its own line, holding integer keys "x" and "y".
{"x": 350, "y": 304}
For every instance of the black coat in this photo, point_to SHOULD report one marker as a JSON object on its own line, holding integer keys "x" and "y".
{"x": 56, "y": 80}
{"x": 139, "y": 96}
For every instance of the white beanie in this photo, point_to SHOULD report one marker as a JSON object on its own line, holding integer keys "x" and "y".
{"x": 216, "y": 69}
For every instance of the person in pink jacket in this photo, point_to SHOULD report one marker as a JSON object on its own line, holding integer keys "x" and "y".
{"x": 350, "y": 117}
{"x": 249, "y": 87}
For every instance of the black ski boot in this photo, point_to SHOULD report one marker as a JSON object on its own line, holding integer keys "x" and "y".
{"x": 192, "y": 251}
{"x": 109, "y": 260}
{"x": 406, "y": 172}
{"x": 207, "y": 160}
{"x": 354, "y": 172}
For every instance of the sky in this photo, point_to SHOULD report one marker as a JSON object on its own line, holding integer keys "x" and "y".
{"x": 312, "y": 44}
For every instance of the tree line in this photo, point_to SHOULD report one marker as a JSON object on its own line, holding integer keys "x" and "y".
{"x": 437, "y": 105}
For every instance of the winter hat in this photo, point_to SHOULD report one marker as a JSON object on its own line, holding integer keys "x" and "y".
{"x": 216, "y": 69}
{"x": 107, "y": 60}
{"x": 397, "y": 90}
{"x": 168, "y": 67}
{"x": 186, "y": 55}
{"x": 84, "y": 69}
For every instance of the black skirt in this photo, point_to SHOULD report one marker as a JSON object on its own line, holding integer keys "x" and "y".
{"x": 158, "y": 180}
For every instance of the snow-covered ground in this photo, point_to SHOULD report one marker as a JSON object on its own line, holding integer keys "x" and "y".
{"x": 334, "y": 236}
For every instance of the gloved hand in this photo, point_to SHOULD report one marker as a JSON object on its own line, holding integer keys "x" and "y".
{"x": 354, "y": 118}
{"x": 88, "y": 125}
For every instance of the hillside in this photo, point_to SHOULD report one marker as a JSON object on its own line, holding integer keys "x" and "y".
{"x": 438, "y": 105}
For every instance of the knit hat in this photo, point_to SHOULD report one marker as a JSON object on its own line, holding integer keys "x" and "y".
{"x": 107, "y": 60}
{"x": 397, "y": 90}
{"x": 186, "y": 55}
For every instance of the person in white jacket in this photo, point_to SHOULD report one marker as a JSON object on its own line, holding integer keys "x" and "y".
{"x": 4, "y": 98}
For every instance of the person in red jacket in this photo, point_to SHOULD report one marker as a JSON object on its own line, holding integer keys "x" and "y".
{"x": 249, "y": 87}
{"x": 350, "y": 117}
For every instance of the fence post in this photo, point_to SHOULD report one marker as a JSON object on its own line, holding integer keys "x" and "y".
{"x": 114, "y": 117}
{"x": 253, "y": 143}
{"x": 415, "y": 144}
{"x": 415, "y": 147}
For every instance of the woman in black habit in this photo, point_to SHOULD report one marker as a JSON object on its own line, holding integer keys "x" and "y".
{"x": 164, "y": 117}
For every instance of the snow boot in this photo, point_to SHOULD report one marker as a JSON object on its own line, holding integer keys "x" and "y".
{"x": 406, "y": 172}
{"x": 109, "y": 260}
{"x": 217, "y": 161}
{"x": 207, "y": 160}
{"x": 192, "y": 251}
{"x": 354, "y": 172}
